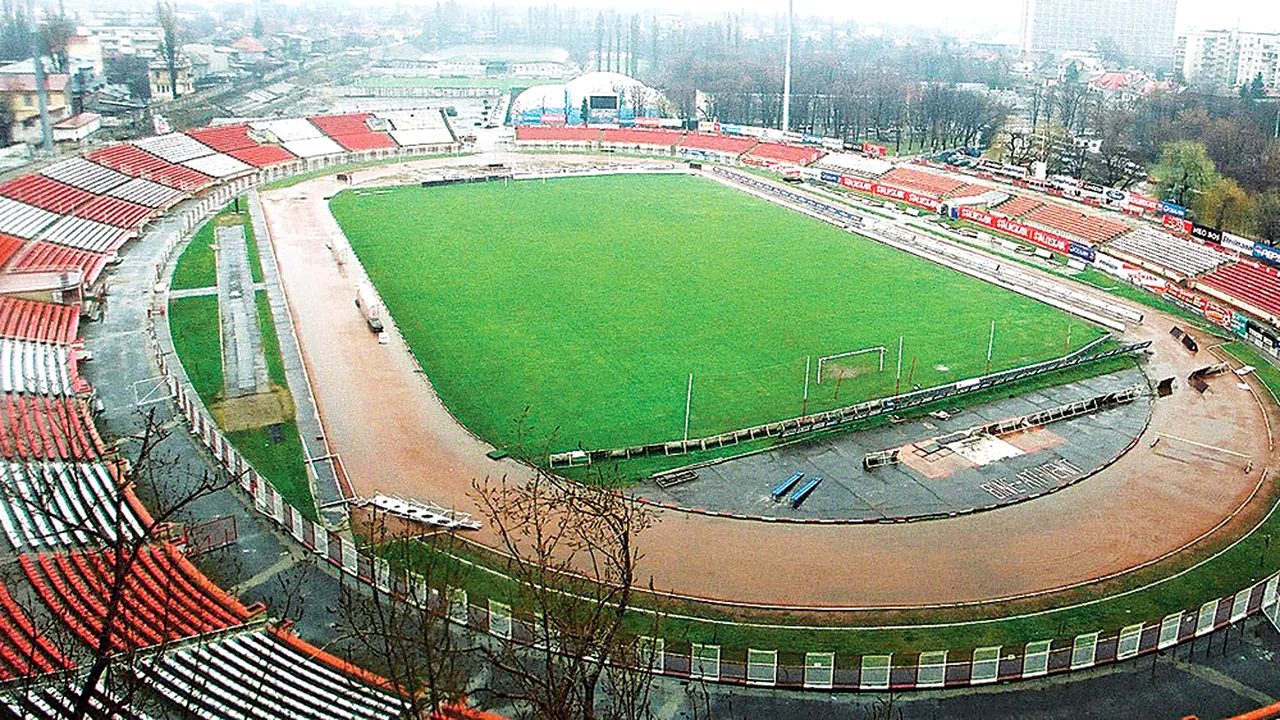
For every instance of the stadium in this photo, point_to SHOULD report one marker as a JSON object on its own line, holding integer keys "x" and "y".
{"x": 999, "y": 433}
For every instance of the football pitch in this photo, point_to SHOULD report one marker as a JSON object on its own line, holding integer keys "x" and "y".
{"x": 570, "y": 313}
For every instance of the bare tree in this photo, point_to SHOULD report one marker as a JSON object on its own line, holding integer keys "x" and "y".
{"x": 571, "y": 550}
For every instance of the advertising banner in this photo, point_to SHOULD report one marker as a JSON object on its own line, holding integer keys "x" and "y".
{"x": 1173, "y": 209}
{"x": 875, "y": 150}
{"x": 1267, "y": 254}
{"x": 858, "y": 184}
{"x": 1237, "y": 243}
{"x": 1083, "y": 252}
{"x": 1206, "y": 233}
{"x": 1176, "y": 224}
{"x": 1043, "y": 238}
{"x": 830, "y": 177}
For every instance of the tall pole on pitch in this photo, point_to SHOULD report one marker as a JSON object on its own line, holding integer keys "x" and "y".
{"x": 897, "y": 382}
{"x": 804, "y": 400}
{"x": 786, "y": 73}
{"x": 688, "y": 404}
{"x": 991, "y": 344}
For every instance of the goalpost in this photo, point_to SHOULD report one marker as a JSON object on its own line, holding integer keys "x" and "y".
{"x": 840, "y": 356}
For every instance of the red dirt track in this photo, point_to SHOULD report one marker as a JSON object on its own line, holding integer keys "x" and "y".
{"x": 394, "y": 436}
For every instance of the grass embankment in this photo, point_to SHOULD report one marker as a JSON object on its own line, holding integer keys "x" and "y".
{"x": 276, "y": 452}
{"x": 198, "y": 266}
{"x": 582, "y": 305}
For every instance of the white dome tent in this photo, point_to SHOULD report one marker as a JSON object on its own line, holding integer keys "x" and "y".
{"x": 597, "y": 97}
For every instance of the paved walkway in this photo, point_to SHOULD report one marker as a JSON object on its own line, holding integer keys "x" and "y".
{"x": 244, "y": 367}
{"x": 314, "y": 443}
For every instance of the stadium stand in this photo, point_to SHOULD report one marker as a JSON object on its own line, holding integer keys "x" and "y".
{"x": 1091, "y": 228}
{"x": 133, "y": 162}
{"x": 49, "y": 257}
{"x": 312, "y": 147}
{"x": 9, "y": 246}
{"x": 1164, "y": 250}
{"x": 24, "y": 652}
{"x": 23, "y": 220}
{"x": 287, "y": 130}
{"x": 45, "y": 193}
{"x": 54, "y": 703}
{"x": 268, "y": 675}
{"x": 352, "y": 131}
{"x": 262, "y": 155}
{"x": 855, "y": 164}
{"x": 723, "y": 144}
{"x": 969, "y": 191}
{"x": 794, "y": 154}
{"x": 218, "y": 165}
{"x": 84, "y": 234}
{"x": 926, "y": 182}
{"x": 114, "y": 211}
{"x": 86, "y": 175}
{"x": 145, "y": 192}
{"x": 225, "y": 138}
{"x": 39, "y": 322}
{"x": 35, "y": 368}
{"x": 176, "y": 148}
{"x": 55, "y": 505}
{"x": 654, "y": 138}
{"x": 1249, "y": 283}
{"x": 165, "y": 597}
{"x": 1018, "y": 205}
{"x": 34, "y": 427}
{"x": 539, "y": 133}
{"x": 412, "y": 128}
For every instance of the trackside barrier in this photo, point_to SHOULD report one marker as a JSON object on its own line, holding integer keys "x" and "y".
{"x": 678, "y": 658}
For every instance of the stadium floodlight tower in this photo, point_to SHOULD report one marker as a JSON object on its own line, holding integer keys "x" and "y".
{"x": 786, "y": 73}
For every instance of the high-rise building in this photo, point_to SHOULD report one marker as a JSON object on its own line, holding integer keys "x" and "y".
{"x": 1223, "y": 60}
{"x": 1141, "y": 31}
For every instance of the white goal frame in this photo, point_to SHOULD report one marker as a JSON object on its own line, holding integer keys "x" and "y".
{"x": 879, "y": 348}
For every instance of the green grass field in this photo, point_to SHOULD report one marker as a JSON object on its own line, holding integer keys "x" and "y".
{"x": 584, "y": 304}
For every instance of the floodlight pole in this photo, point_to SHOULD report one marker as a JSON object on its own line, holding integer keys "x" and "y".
{"x": 688, "y": 404}
{"x": 786, "y": 75}
{"x": 991, "y": 344}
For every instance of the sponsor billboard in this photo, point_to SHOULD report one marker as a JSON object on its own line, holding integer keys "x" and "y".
{"x": 1237, "y": 243}
{"x": 875, "y": 150}
{"x": 1083, "y": 252}
{"x": 1173, "y": 209}
{"x": 1176, "y": 224}
{"x": 1044, "y": 239}
{"x": 1206, "y": 233}
{"x": 1143, "y": 203}
{"x": 830, "y": 177}
{"x": 1266, "y": 254}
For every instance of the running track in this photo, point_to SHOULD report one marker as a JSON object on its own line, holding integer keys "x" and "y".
{"x": 394, "y": 436}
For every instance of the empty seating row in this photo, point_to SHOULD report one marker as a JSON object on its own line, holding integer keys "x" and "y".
{"x": 312, "y": 147}
{"x": 262, "y": 155}
{"x": 794, "y": 154}
{"x": 352, "y": 132}
{"x": 39, "y": 321}
{"x": 969, "y": 190}
{"x": 1250, "y": 283}
{"x": 55, "y": 505}
{"x": 134, "y": 162}
{"x": 414, "y": 119}
{"x": 24, "y": 652}
{"x": 927, "y": 182}
{"x": 656, "y": 138}
{"x": 114, "y": 211}
{"x": 23, "y": 220}
{"x": 539, "y": 133}
{"x": 225, "y": 138}
{"x": 176, "y": 148}
{"x": 268, "y": 675}
{"x": 219, "y": 165}
{"x": 1184, "y": 257}
{"x": 9, "y": 246}
{"x": 39, "y": 427}
{"x": 59, "y": 703}
{"x": 27, "y": 367}
{"x": 86, "y": 175}
{"x": 856, "y": 164}
{"x": 1018, "y": 205}
{"x": 162, "y": 596}
{"x": 144, "y": 192}
{"x": 286, "y": 130}
{"x": 49, "y": 257}
{"x": 45, "y": 193}
{"x": 84, "y": 234}
{"x": 722, "y": 144}
{"x": 1094, "y": 229}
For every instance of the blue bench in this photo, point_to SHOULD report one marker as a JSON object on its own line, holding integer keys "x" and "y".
{"x": 800, "y": 495}
{"x": 786, "y": 486}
